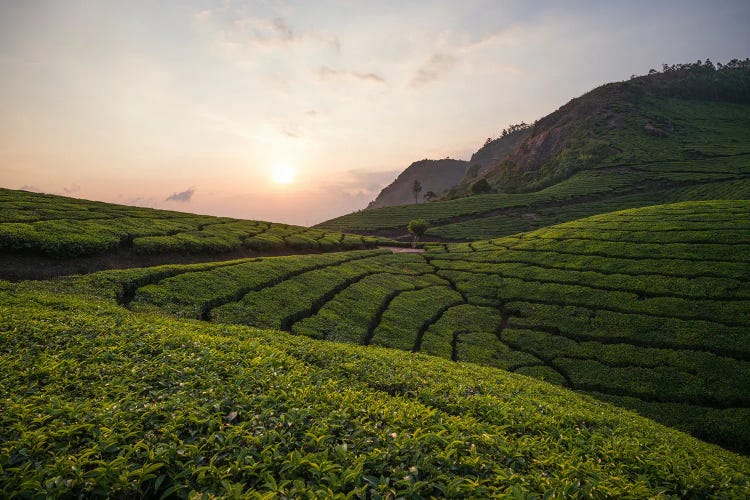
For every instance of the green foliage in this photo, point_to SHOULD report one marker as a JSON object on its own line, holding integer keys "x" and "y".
{"x": 535, "y": 217}
{"x": 481, "y": 187}
{"x": 63, "y": 228}
{"x": 657, "y": 297}
{"x": 470, "y": 333}
{"x": 301, "y": 294}
{"x": 195, "y": 294}
{"x": 650, "y": 306}
{"x": 353, "y": 314}
{"x": 646, "y": 308}
{"x": 417, "y": 227}
{"x": 98, "y": 401}
{"x": 410, "y": 313}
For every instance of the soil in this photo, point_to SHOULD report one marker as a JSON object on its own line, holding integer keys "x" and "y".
{"x": 18, "y": 266}
{"x": 404, "y": 249}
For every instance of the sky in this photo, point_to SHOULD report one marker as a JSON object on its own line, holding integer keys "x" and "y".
{"x": 298, "y": 112}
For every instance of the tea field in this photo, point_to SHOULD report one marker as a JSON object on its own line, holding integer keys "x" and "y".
{"x": 647, "y": 308}
{"x": 63, "y": 228}
{"x": 589, "y": 192}
{"x": 101, "y": 401}
{"x": 535, "y": 217}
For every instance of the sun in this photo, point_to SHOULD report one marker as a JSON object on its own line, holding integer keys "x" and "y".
{"x": 282, "y": 174}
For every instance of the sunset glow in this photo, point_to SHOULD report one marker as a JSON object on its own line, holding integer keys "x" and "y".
{"x": 283, "y": 175}
{"x": 191, "y": 105}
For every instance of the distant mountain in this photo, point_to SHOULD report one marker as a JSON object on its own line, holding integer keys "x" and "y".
{"x": 436, "y": 176}
{"x": 447, "y": 177}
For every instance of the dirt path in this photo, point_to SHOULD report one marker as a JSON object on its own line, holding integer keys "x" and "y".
{"x": 403, "y": 249}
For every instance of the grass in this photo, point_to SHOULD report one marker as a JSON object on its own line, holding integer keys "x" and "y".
{"x": 100, "y": 401}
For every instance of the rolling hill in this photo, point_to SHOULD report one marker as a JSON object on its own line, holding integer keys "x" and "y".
{"x": 46, "y": 235}
{"x": 491, "y": 153}
{"x": 679, "y": 135}
{"x": 101, "y": 401}
{"x": 646, "y": 308}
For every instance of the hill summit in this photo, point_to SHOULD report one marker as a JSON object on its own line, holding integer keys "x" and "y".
{"x": 434, "y": 177}
{"x": 620, "y": 123}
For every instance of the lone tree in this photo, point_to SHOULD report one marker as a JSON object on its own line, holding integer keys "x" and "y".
{"x": 416, "y": 188}
{"x": 417, "y": 227}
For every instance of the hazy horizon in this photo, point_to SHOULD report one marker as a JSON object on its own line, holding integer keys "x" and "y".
{"x": 295, "y": 113}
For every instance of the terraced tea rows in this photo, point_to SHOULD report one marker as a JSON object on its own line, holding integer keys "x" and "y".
{"x": 281, "y": 305}
{"x": 60, "y": 227}
{"x": 535, "y": 217}
{"x": 194, "y": 295}
{"x": 99, "y": 401}
{"x": 646, "y": 307}
{"x": 587, "y": 193}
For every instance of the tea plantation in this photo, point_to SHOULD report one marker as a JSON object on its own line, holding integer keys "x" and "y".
{"x": 587, "y": 193}
{"x": 100, "y": 401}
{"x": 647, "y": 308}
{"x": 157, "y": 381}
{"x": 535, "y": 217}
{"x": 59, "y": 227}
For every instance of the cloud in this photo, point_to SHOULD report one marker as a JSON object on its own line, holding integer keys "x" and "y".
{"x": 233, "y": 28}
{"x": 72, "y": 189}
{"x": 291, "y": 131}
{"x": 335, "y": 44}
{"x": 435, "y": 67}
{"x": 29, "y": 187}
{"x": 236, "y": 30}
{"x": 265, "y": 31}
{"x": 326, "y": 73}
{"x": 183, "y": 197}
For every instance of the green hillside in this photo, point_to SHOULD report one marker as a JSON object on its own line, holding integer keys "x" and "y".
{"x": 63, "y": 229}
{"x": 100, "y": 401}
{"x": 535, "y": 216}
{"x": 647, "y": 308}
{"x": 681, "y": 135}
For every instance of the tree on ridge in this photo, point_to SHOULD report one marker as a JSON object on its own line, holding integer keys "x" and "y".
{"x": 416, "y": 188}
